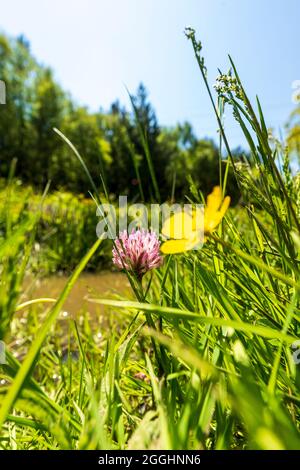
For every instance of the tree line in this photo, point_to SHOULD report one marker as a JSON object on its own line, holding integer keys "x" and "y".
{"x": 110, "y": 142}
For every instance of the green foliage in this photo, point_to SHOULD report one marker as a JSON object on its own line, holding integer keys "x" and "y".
{"x": 199, "y": 158}
{"x": 293, "y": 127}
{"x": 202, "y": 357}
{"x": 64, "y": 231}
{"x": 118, "y": 145}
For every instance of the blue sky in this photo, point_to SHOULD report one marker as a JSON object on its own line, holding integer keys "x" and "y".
{"x": 97, "y": 46}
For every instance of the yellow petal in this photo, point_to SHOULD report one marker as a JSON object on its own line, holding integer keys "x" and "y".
{"x": 213, "y": 218}
{"x": 176, "y": 246}
{"x": 211, "y": 222}
{"x": 178, "y": 226}
{"x": 198, "y": 219}
{"x": 214, "y": 199}
{"x": 225, "y": 205}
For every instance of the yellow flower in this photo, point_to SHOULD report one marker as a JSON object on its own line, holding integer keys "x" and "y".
{"x": 182, "y": 226}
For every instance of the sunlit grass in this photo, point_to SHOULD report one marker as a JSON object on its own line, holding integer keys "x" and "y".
{"x": 201, "y": 359}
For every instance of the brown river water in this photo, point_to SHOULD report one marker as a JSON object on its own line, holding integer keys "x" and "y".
{"x": 100, "y": 285}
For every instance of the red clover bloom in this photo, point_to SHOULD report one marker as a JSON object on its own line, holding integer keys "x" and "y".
{"x": 138, "y": 252}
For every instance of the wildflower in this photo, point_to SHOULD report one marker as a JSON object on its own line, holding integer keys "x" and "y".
{"x": 214, "y": 212}
{"x": 226, "y": 84}
{"x": 141, "y": 376}
{"x": 137, "y": 252}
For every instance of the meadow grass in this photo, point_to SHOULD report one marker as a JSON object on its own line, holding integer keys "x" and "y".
{"x": 202, "y": 358}
{"x": 64, "y": 232}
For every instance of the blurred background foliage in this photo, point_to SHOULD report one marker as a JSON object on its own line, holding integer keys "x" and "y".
{"x": 108, "y": 141}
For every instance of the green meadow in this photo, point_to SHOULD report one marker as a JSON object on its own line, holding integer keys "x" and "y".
{"x": 200, "y": 352}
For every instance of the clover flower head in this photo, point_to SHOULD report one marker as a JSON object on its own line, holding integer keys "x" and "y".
{"x": 137, "y": 252}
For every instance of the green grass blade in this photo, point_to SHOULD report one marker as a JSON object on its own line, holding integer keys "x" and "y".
{"x": 33, "y": 352}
